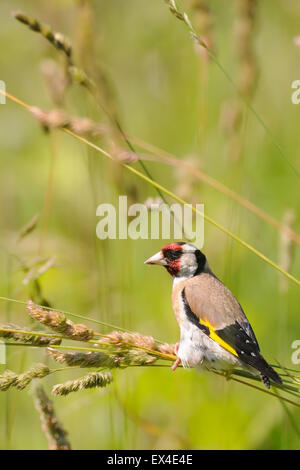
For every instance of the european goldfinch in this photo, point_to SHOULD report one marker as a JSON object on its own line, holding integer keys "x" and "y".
{"x": 214, "y": 330}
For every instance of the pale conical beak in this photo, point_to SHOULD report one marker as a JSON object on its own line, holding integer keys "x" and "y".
{"x": 158, "y": 258}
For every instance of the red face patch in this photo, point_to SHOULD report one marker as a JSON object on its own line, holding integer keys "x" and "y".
{"x": 172, "y": 246}
{"x": 174, "y": 267}
{"x": 172, "y": 254}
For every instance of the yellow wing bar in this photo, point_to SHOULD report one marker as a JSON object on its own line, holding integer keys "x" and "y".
{"x": 213, "y": 335}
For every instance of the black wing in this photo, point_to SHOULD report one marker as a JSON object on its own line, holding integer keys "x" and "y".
{"x": 242, "y": 339}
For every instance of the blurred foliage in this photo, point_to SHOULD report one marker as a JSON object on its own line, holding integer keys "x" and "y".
{"x": 157, "y": 87}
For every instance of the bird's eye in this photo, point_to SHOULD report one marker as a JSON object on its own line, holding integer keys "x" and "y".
{"x": 172, "y": 255}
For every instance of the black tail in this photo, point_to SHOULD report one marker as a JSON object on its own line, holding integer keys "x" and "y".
{"x": 265, "y": 380}
{"x": 267, "y": 372}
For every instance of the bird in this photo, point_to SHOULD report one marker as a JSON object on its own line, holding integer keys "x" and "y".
{"x": 214, "y": 330}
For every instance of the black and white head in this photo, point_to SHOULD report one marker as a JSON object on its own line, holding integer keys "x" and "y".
{"x": 182, "y": 260}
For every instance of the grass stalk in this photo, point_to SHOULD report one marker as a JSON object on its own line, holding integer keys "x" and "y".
{"x": 55, "y": 433}
{"x": 171, "y": 194}
{"x": 182, "y": 16}
{"x": 115, "y": 350}
{"x": 166, "y": 157}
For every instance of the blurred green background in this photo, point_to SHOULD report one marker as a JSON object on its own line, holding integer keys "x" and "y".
{"x": 168, "y": 94}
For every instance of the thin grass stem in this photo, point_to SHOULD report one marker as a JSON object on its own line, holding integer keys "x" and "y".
{"x": 185, "y": 19}
{"x": 173, "y": 196}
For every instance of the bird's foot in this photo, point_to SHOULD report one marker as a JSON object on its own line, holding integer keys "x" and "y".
{"x": 176, "y": 364}
{"x": 178, "y": 361}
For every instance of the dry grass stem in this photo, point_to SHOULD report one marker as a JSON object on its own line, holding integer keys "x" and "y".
{"x": 57, "y": 118}
{"x": 119, "y": 350}
{"x": 247, "y": 75}
{"x": 167, "y": 192}
{"x": 162, "y": 155}
{"x": 35, "y": 272}
{"x": 52, "y": 428}
{"x": 29, "y": 227}
{"x": 10, "y": 331}
{"x": 203, "y": 23}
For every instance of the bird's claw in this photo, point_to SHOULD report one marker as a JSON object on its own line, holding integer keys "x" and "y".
{"x": 178, "y": 361}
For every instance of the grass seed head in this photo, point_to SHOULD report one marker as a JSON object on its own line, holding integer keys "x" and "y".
{"x": 91, "y": 380}
{"x": 89, "y": 359}
{"x": 58, "y": 40}
{"x": 11, "y": 379}
{"x": 58, "y": 322}
{"x": 37, "y": 371}
{"x": 7, "y": 379}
